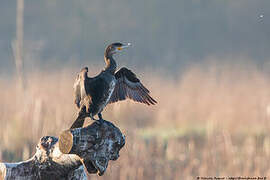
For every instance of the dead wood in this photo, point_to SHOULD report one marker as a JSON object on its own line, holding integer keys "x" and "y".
{"x": 63, "y": 158}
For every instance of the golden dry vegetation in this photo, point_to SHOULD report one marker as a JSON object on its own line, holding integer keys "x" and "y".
{"x": 212, "y": 120}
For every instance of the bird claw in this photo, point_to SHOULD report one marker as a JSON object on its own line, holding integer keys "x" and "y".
{"x": 101, "y": 120}
{"x": 98, "y": 122}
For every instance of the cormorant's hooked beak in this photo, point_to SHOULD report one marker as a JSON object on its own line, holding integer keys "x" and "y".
{"x": 124, "y": 46}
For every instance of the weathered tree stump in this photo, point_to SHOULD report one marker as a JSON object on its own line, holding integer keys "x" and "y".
{"x": 92, "y": 146}
{"x": 95, "y": 144}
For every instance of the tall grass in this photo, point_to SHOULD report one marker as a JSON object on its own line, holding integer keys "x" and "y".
{"x": 212, "y": 120}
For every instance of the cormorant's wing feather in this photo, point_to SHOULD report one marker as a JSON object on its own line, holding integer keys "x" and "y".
{"x": 77, "y": 91}
{"x": 79, "y": 86}
{"x": 129, "y": 86}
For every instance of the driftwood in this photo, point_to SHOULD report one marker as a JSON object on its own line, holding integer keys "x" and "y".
{"x": 66, "y": 156}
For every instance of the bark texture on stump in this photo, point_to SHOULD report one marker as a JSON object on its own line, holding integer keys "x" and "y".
{"x": 92, "y": 146}
{"x": 96, "y": 144}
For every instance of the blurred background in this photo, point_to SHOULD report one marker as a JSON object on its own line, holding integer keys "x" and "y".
{"x": 206, "y": 62}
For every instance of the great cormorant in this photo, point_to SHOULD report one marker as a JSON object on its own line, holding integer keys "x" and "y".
{"x": 93, "y": 94}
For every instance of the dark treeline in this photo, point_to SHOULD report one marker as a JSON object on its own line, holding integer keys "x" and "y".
{"x": 163, "y": 33}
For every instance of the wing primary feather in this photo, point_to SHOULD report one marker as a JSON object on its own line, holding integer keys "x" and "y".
{"x": 121, "y": 92}
{"x": 129, "y": 86}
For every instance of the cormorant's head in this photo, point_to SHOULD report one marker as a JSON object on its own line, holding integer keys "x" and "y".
{"x": 115, "y": 48}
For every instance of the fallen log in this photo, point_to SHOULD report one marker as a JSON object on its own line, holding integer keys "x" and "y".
{"x": 65, "y": 157}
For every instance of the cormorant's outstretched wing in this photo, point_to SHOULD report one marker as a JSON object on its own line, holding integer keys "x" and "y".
{"x": 77, "y": 91}
{"x": 79, "y": 86}
{"x": 129, "y": 86}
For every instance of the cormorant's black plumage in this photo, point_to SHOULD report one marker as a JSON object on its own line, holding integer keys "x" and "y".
{"x": 93, "y": 94}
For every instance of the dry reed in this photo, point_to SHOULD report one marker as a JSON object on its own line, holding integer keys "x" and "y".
{"x": 212, "y": 121}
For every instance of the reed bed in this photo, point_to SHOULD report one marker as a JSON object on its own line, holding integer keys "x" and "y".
{"x": 212, "y": 120}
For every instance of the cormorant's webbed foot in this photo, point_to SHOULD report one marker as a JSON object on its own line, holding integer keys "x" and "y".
{"x": 100, "y": 116}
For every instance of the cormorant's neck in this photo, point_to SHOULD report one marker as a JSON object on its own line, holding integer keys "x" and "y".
{"x": 110, "y": 63}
